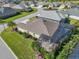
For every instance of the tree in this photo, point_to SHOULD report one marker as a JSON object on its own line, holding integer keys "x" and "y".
{"x": 11, "y": 24}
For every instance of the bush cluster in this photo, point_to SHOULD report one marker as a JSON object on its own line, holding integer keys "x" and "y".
{"x": 46, "y": 55}
{"x": 67, "y": 49}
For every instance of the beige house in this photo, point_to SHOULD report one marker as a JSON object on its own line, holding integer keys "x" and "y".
{"x": 49, "y": 31}
{"x": 46, "y": 32}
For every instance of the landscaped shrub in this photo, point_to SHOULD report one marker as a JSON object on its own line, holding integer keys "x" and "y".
{"x": 15, "y": 29}
{"x": 35, "y": 46}
{"x": 67, "y": 49}
{"x": 11, "y": 24}
{"x": 26, "y": 35}
{"x": 47, "y": 55}
{"x": 46, "y": 5}
{"x": 50, "y": 8}
{"x": 20, "y": 32}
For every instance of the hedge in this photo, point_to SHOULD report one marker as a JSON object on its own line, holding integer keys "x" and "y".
{"x": 67, "y": 49}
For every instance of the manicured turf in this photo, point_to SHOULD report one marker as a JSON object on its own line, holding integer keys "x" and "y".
{"x": 10, "y": 19}
{"x": 21, "y": 46}
{"x": 74, "y": 22}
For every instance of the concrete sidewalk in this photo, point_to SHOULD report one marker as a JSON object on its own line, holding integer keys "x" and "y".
{"x": 5, "y": 51}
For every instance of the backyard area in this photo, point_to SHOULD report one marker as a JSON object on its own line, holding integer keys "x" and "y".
{"x": 22, "y": 14}
{"x": 21, "y": 46}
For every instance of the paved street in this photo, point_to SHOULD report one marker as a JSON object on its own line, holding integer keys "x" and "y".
{"x": 2, "y": 27}
{"x": 27, "y": 17}
{"x": 5, "y": 52}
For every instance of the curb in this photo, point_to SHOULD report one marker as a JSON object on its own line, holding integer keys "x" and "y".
{"x": 8, "y": 48}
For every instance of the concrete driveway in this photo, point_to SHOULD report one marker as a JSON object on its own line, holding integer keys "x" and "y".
{"x": 5, "y": 52}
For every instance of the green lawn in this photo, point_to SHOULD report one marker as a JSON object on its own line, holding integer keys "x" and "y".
{"x": 10, "y": 19}
{"x": 21, "y": 46}
{"x": 74, "y": 22}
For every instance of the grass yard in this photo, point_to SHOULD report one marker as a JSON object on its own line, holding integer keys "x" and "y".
{"x": 21, "y": 46}
{"x": 74, "y": 22}
{"x": 17, "y": 16}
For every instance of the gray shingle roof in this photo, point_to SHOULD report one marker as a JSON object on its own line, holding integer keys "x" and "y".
{"x": 9, "y": 1}
{"x": 63, "y": 30}
{"x": 53, "y": 15}
{"x": 40, "y": 27}
{"x": 54, "y": 30}
{"x": 56, "y": 3}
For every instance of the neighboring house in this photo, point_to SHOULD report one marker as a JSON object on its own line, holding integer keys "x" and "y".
{"x": 17, "y": 7}
{"x": 62, "y": 6}
{"x": 6, "y": 12}
{"x": 40, "y": 4}
{"x": 51, "y": 5}
{"x": 11, "y": 1}
{"x": 72, "y": 13}
{"x": 56, "y": 4}
{"x": 31, "y": 3}
{"x": 75, "y": 53}
{"x": 76, "y": 6}
{"x": 23, "y": 7}
{"x": 3, "y": 0}
{"x": 16, "y": 1}
{"x": 66, "y": 5}
{"x": 35, "y": 3}
{"x": 9, "y": 5}
{"x": 48, "y": 30}
{"x": 69, "y": 4}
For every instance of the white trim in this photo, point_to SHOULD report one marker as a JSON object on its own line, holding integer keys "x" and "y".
{"x": 9, "y": 48}
{"x": 20, "y": 29}
{"x": 31, "y": 33}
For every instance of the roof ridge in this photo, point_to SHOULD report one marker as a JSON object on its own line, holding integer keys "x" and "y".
{"x": 58, "y": 14}
{"x": 46, "y": 28}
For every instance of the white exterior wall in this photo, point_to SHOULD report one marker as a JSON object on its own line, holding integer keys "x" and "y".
{"x": 37, "y": 36}
{"x": 21, "y": 29}
{"x": 33, "y": 34}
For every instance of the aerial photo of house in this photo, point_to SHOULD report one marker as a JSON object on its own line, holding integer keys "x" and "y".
{"x": 39, "y": 29}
